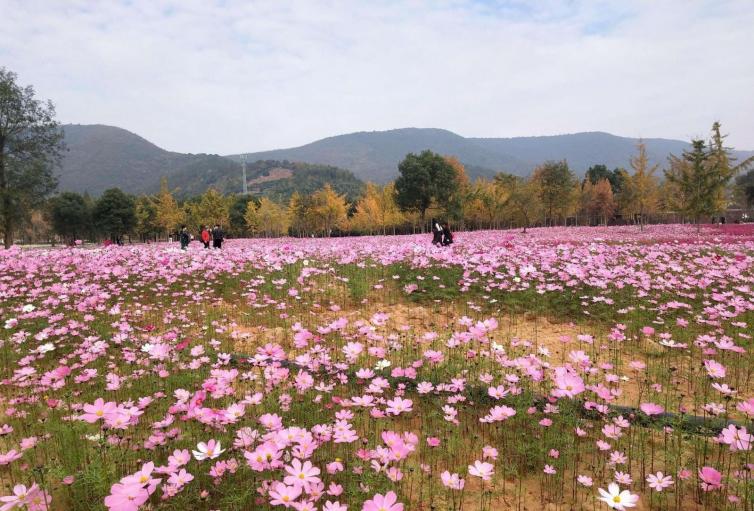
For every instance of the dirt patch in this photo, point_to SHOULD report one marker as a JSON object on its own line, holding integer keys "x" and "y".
{"x": 274, "y": 175}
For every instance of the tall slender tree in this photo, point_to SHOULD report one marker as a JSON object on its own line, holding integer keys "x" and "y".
{"x": 169, "y": 215}
{"x": 31, "y": 142}
{"x": 642, "y": 189}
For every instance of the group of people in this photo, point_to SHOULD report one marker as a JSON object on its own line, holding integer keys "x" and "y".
{"x": 207, "y": 236}
{"x": 441, "y": 235}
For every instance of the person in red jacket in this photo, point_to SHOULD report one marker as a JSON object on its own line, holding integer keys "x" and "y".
{"x": 205, "y": 236}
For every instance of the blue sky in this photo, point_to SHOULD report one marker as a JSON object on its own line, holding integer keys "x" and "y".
{"x": 230, "y": 76}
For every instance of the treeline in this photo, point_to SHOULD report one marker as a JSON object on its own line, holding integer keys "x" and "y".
{"x": 696, "y": 185}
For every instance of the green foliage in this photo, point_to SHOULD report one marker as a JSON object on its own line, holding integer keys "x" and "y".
{"x": 69, "y": 214}
{"x": 616, "y": 177}
{"x": 237, "y": 211}
{"x": 556, "y": 184}
{"x": 305, "y": 179}
{"x": 423, "y": 178}
{"x": 146, "y": 217}
{"x": 30, "y": 145}
{"x": 115, "y": 213}
{"x": 699, "y": 178}
{"x": 745, "y": 186}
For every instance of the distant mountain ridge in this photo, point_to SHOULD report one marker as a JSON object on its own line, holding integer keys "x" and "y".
{"x": 100, "y": 157}
{"x": 375, "y": 155}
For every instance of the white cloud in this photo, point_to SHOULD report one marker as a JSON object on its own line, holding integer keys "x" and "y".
{"x": 227, "y": 76}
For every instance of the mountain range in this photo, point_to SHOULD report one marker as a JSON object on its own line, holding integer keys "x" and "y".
{"x": 99, "y": 157}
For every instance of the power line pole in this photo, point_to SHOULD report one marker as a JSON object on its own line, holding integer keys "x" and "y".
{"x": 243, "y": 169}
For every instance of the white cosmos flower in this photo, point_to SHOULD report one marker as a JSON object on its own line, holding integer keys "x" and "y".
{"x": 616, "y": 499}
{"x": 28, "y": 308}
{"x": 44, "y": 348}
{"x": 210, "y": 450}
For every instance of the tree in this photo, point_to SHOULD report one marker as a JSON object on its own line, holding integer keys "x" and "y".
{"x": 212, "y": 209}
{"x": 642, "y": 189}
{"x": 114, "y": 213}
{"x": 460, "y": 190}
{"x": 488, "y": 200}
{"x": 377, "y": 211}
{"x": 268, "y": 218}
{"x": 237, "y": 213}
{"x": 69, "y": 215}
{"x": 698, "y": 180}
{"x": 524, "y": 204}
{"x": 299, "y": 208}
{"x": 168, "y": 215}
{"x": 30, "y": 145}
{"x": 745, "y": 188}
{"x": 597, "y": 199}
{"x": 424, "y": 178}
{"x": 146, "y": 217}
{"x": 557, "y": 187}
{"x": 329, "y": 210}
{"x": 616, "y": 177}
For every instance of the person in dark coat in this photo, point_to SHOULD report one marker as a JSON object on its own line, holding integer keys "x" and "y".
{"x": 217, "y": 237}
{"x": 447, "y": 236}
{"x": 436, "y": 233}
{"x": 185, "y": 238}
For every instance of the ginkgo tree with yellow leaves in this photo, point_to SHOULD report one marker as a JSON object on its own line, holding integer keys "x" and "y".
{"x": 268, "y": 218}
{"x": 377, "y": 211}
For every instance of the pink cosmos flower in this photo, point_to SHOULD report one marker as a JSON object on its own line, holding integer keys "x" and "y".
{"x": 737, "y": 438}
{"x": 398, "y": 405}
{"x": 651, "y": 409}
{"x": 32, "y": 498}
{"x": 567, "y": 383}
{"x": 180, "y": 478}
{"x": 714, "y": 369}
{"x": 659, "y": 481}
{"x": 99, "y": 410}
{"x": 388, "y": 502}
{"x": 126, "y": 497}
{"x": 9, "y": 457}
{"x": 301, "y": 474}
{"x": 452, "y": 481}
{"x": 282, "y": 495}
{"x": 711, "y": 479}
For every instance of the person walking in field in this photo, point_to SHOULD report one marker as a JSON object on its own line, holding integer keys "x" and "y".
{"x": 185, "y": 238}
{"x": 205, "y": 236}
{"x": 217, "y": 237}
{"x": 436, "y": 233}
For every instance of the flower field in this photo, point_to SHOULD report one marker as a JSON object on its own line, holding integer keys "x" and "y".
{"x": 561, "y": 369}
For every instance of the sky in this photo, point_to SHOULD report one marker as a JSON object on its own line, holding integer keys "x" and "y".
{"x": 229, "y": 76}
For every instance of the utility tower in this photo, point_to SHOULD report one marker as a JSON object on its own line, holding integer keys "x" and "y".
{"x": 243, "y": 170}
